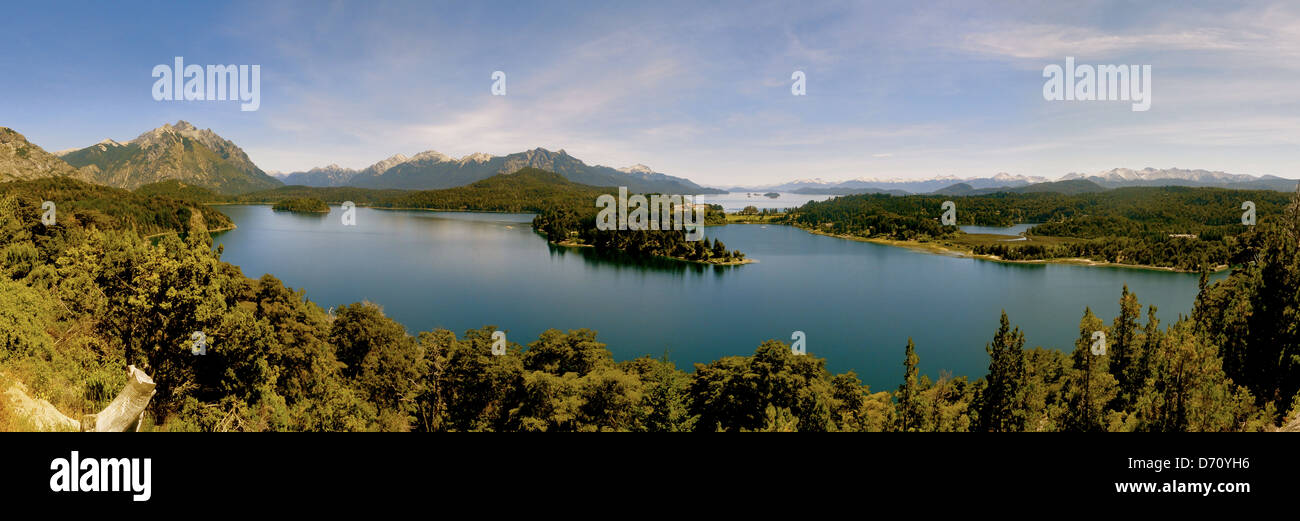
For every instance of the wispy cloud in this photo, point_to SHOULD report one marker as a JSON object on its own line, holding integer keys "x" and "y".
{"x": 894, "y": 89}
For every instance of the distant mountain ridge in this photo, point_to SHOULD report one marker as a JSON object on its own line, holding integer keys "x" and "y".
{"x": 181, "y": 152}
{"x": 952, "y": 185}
{"x": 1068, "y": 187}
{"x": 431, "y": 170}
{"x": 892, "y": 185}
{"x": 1121, "y": 177}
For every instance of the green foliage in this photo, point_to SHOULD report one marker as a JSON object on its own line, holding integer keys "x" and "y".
{"x": 1253, "y": 317}
{"x": 734, "y": 393}
{"x": 1090, "y": 385}
{"x": 1001, "y": 402}
{"x": 526, "y": 190}
{"x": 571, "y": 225}
{"x": 79, "y": 302}
{"x": 1177, "y": 227}
{"x": 909, "y": 394}
{"x": 83, "y": 205}
{"x": 301, "y": 205}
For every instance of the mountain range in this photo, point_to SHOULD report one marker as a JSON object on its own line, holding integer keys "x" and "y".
{"x": 1121, "y": 177}
{"x": 201, "y": 158}
{"x": 1002, "y": 182}
{"x": 897, "y": 186}
{"x": 432, "y": 170}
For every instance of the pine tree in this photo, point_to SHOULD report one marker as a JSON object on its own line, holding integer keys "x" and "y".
{"x": 1090, "y": 386}
{"x": 909, "y": 409}
{"x": 1006, "y": 377}
{"x": 1126, "y": 350}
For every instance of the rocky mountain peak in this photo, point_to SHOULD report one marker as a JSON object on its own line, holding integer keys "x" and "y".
{"x": 21, "y": 160}
{"x": 431, "y": 156}
{"x": 478, "y": 157}
{"x": 636, "y": 169}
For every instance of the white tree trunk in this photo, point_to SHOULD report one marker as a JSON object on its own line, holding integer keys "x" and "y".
{"x": 126, "y": 411}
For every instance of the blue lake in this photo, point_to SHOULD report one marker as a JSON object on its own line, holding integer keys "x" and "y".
{"x": 856, "y": 302}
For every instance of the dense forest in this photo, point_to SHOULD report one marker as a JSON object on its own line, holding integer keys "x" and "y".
{"x": 576, "y": 226}
{"x": 526, "y": 190}
{"x": 301, "y": 205}
{"x": 82, "y": 299}
{"x": 1177, "y": 227}
{"x": 84, "y": 205}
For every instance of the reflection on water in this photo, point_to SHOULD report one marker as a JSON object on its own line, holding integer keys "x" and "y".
{"x": 622, "y": 261}
{"x": 857, "y": 302}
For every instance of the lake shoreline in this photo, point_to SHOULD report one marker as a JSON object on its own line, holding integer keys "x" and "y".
{"x": 210, "y": 230}
{"x": 949, "y": 250}
{"x": 571, "y": 244}
{"x": 868, "y": 301}
{"x": 459, "y": 210}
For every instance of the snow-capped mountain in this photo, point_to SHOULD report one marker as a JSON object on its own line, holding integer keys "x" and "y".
{"x": 1113, "y": 178}
{"x": 892, "y": 185}
{"x": 433, "y": 170}
{"x": 1119, "y": 177}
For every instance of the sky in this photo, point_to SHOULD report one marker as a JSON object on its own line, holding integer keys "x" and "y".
{"x": 907, "y": 89}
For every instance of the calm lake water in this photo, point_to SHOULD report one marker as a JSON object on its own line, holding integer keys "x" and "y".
{"x": 856, "y": 302}
{"x": 736, "y": 201}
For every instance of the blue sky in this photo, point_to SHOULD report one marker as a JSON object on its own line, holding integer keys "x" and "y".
{"x": 695, "y": 89}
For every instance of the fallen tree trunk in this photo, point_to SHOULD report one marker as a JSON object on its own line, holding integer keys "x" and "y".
{"x": 126, "y": 411}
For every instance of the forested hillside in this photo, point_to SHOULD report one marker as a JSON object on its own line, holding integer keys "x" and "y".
{"x": 527, "y": 190}
{"x": 84, "y": 205}
{"x": 81, "y": 300}
{"x": 1177, "y": 227}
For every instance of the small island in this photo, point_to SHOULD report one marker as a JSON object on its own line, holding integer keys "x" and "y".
{"x": 771, "y": 195}
{"x": 569, "y": 227}
{"x": 302, "y": 205}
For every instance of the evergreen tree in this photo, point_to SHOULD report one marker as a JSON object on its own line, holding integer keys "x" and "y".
{"x": 1089, "y": 386}
{"x": 1126, "y": 350}
{"x": 1000, "y": 409}
{"x": 909, "y": 407}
